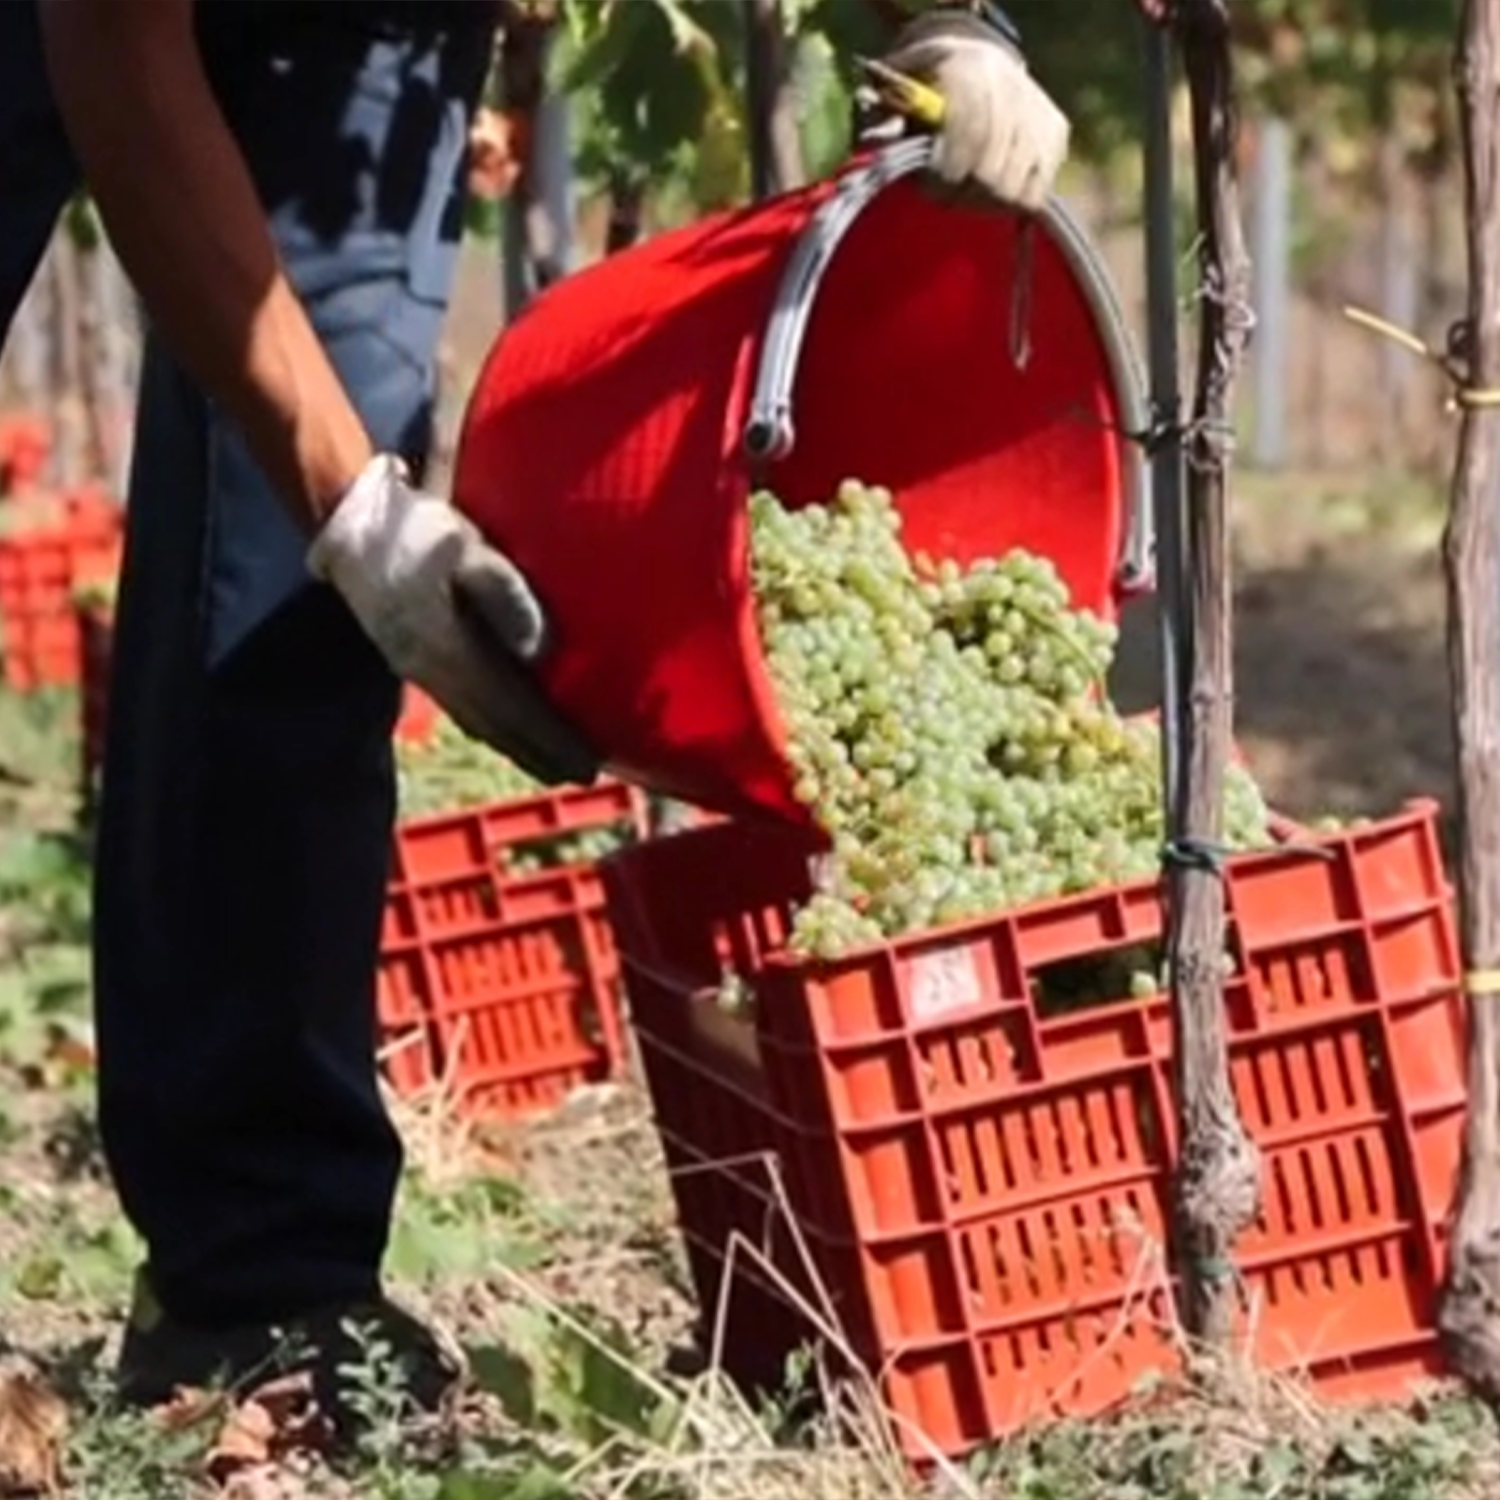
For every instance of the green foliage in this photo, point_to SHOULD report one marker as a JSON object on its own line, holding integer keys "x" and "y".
{"x": 1191, "y": 1453}
{"x": 657, "y": 91}
{"x": 1088, "y": 56}
{"x": 660, "y": 98}
{"x": 82, "y": 222}
{"x": 573, "y": 1376}
{"x": 45, "y": 1034}
{"x": 1340, "y": 71}
{"x": 659, "y": 95}
{"x": 659, "y": 85}
{"x": 78, "y": 1259}
{"x": 1351, "y": 56}
{"x": 462, "y": 1231}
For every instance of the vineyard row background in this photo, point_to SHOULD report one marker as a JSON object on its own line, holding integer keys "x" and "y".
{"x": 1352, "y": 191}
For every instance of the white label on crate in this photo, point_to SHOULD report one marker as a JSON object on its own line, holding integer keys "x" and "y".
{"x": 942, "y": 982}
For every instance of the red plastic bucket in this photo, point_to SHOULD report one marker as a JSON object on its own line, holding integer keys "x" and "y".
{"x": 973, "y": 362}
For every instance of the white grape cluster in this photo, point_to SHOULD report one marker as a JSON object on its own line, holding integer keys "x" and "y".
{"x": 949, "y": 727}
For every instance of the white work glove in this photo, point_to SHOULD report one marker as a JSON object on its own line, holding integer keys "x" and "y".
{"x": 1001, "y": 134}
{"x": 449, "y": 614}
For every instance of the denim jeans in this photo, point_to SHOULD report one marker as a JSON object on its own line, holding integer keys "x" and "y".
{"x": 248, "y": 786}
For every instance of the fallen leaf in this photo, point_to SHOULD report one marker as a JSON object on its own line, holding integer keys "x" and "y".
{"x": 244, "y": 1441}
{"x": 33, "y": 1427}
{"x": 70, "y": 1047}
{"x": 187, "y": 1408}
{"x": 273, "y": 1422}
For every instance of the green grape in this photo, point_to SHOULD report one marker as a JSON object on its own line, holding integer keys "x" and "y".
{"x": 97, "y": 594}
{"x": 949, "y": 728}
{"x": 735, "y": 996}
{"x": 451, "y": 772}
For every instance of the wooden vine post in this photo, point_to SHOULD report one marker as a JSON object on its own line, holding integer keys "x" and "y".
{"x": 529, "y": 238}
{"x": 1217, "y": 1190}
{"x": 1470, "y": 1314}
{"x": 776, "y": 164}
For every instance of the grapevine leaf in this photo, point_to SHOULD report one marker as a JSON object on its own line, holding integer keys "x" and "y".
{"x": 505, "y": 1375}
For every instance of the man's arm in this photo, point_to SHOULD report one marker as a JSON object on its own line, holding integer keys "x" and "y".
{"x": 447, "y": 611}
{"x": 184, "y": 217}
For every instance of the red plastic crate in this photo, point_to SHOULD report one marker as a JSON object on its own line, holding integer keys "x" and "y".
{"x": 25, "y": 449}
{"x": 77, "y": 539}
{"x": 503, "y": 985}
{"x": 419, "y": 717}
{"x": 984, "y": 1187}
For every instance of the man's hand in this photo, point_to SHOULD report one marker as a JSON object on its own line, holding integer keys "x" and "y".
{"x": 449, "y": 614}
{"x": 1001, "y": 133}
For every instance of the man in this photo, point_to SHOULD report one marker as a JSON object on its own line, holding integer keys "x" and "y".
{"x": 282, "y": 180}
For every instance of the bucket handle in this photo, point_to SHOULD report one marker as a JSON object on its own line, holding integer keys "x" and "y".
{"x": 770, "y": 433}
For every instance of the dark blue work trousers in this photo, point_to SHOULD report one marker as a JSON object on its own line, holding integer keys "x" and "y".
{"x": 248, "y": 791}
